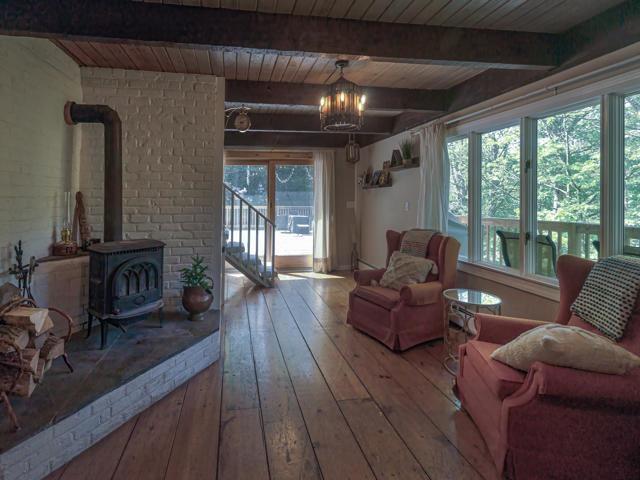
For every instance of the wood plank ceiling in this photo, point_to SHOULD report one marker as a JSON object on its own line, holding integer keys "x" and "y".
{"x": 265, "y": 67}
{"x": 442, "y": 66}
{"x": 552, "y": 16}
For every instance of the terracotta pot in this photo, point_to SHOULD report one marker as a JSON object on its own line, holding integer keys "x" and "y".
{"x": 196, "y": 301}
{"x": 407, "y": 162}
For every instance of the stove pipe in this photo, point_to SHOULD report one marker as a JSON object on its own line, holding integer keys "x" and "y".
{"x": 75, "y": 113}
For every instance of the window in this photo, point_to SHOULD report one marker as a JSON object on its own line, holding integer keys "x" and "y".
{"x": 568, "y": 187}
{"x": 458, "y": 223}
{"x": 500, "y": 197}
{"x": 632, "y": 175}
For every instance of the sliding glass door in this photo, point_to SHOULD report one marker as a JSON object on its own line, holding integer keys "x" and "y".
{"x": 283, "y": 191}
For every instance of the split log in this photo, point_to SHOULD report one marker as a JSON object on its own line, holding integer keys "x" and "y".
{"x": 32, "y": 319}
{"x": 16, "y": 335}
{"x": 26, "y": 382}
{"x": 53, "y": 348}
{"x": 40, "y": 369}
{"x": 37, "y": 341}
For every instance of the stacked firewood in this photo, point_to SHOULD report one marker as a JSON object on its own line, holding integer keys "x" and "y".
{"x": 28, "y": 347}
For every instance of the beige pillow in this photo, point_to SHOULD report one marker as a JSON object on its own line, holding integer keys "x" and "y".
{"x": 406, "y": 269}
{"x": 566, "y": 346}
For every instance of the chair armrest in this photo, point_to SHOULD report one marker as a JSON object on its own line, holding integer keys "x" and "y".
{"x": 421, "y": 293}
{"x": 497, "y": 329}
{"x": 580, "y": 386}
{"x": 364, "y": 277}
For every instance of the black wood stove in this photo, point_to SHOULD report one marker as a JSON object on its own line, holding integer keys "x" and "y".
{"x": 125, "y": 281}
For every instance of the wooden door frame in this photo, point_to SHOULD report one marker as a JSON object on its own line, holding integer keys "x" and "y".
{"x": 271, "y": 162}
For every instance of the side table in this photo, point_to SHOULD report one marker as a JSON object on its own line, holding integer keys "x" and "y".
{"x": 464, "y": 303}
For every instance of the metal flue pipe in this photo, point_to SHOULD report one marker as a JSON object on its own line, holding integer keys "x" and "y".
{"x": 75, "y": 113}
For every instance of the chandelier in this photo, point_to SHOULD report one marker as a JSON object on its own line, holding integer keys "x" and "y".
{"x": 342, "y": 110}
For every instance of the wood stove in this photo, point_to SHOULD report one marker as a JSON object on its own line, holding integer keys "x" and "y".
{"x": 125, "y": 281}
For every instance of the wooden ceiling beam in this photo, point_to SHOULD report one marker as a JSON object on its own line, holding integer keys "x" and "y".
{"x": 294, "y": 140}
{"x": 308, "y": 123}
{"x": 172, "y": 25}
{"x": 378, "y": 98}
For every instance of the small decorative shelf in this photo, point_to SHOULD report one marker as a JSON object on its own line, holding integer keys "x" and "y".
{"x": 415, "y": 164}
{"x": 369, "y": 187}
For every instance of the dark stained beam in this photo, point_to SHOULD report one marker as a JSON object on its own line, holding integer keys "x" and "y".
{"x": 611, "y": 30}
{"x": 301, "y": 140}
{"x": 378, "y": 99}
{"x": 309, "y": 123}
{"x": 408, "y": 120}
{"x": 125, "y": 20}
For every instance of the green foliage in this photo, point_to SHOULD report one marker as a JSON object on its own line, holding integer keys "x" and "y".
{"x": 196, "y": 276}
{"x": 406, "y": 148}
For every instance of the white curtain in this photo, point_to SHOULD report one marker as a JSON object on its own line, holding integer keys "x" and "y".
{"x": 433, "y": 202}
{"x": 324, "y": 233}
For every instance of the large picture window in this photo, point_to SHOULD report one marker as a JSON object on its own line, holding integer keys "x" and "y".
{"x": 632, "y": 175}
{"x": 500, "y": 197}
{"x": 458, "y": 222}
{"x": 568, "y": 187}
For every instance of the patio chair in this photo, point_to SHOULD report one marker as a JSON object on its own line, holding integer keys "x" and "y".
{"x": 626, "y": 250}
{"x": 545, "y": 255}
{"x": 299, "y": 224}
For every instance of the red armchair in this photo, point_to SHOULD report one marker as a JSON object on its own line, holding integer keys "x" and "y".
{"x": 553, "y": 422}
{"x": 413, "y": 315}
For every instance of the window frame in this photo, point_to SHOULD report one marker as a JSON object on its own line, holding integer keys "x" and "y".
{"x": 612, "y": 189}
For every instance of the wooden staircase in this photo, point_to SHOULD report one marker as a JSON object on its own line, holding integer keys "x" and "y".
{"x": 249, "y": 239}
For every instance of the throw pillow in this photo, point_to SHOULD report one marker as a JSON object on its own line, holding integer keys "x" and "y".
{"x": 609, "y": 294}
{"x": 406, "y": 269}
{"x": 566, "y": 346}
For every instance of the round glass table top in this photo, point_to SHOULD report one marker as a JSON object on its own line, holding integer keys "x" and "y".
{"x": 472, "y": 297}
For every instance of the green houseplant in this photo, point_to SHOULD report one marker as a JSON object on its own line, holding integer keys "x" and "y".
{"x": 406, "y": 149}
{"x": 196, "y": 292}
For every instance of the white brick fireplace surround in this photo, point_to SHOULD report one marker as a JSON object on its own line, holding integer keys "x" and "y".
{"x": 173, "y": 136}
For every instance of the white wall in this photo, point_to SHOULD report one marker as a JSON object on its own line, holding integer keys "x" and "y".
{"x": 38, "y": 151}
{"x": 345, "y": 212}
{"x": 384, "y": 208}
{"x": 173, "y": 158}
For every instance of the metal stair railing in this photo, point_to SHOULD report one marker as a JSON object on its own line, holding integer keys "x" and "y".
{"x": 249, "y": 243}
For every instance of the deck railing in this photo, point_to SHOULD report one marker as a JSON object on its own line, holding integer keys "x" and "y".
{"x": 580, "y": 239}
{"x": 281, "y": 212}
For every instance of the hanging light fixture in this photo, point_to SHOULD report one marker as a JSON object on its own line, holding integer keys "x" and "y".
{"x": 352, "y": 150}
{"x": 342, "y": 109}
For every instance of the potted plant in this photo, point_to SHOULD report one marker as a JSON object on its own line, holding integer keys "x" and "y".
{"x": 406, "y": 148}
{"x": 196, "y": 292}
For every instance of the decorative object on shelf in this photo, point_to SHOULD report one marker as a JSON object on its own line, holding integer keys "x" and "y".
{"x": 81, "y": 231}
{"x": 375, "y": 178}
{"x": 23, "y": 273}
{"x": 342, "y": 109}
{"x": 406, "y": 149}
{"x": 27, "y": 347}
{"x": 66, "y": 246}
{"x": 241, "y": 122}
{"x": 196, "y": 294}
{"x": 367, "y": 176}
{"x": 396, "y": 158}
{"x": 352, "y": 150}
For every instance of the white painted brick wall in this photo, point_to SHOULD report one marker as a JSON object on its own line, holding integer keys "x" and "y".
{"x": 39, "y": 153}
{"x": 41, "y": 454}
{"x": 172, "y": 153}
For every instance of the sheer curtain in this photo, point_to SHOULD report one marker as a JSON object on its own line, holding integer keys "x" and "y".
{"x": 324, "y": 233}
{"x": 433, "y": 201}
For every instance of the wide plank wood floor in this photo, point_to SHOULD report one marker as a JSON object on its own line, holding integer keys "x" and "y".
{"x": 298, "y": 394}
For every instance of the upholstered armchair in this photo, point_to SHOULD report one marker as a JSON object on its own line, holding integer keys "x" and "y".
{"x": 413, "y": 315}
{"x": 553, "y": 422}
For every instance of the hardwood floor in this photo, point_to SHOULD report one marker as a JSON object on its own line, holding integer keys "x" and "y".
{"x": 298, "y": 394}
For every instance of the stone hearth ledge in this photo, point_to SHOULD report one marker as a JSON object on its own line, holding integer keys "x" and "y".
{"x": 44, "y": 452}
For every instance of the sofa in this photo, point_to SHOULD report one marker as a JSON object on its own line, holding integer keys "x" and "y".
{"x": 413, "y": 315}
{"x": 553, "y": 422}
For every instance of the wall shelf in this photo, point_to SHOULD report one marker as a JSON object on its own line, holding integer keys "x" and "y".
{"x": 370, "y": 187}
{"x": 404, "y": 167}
